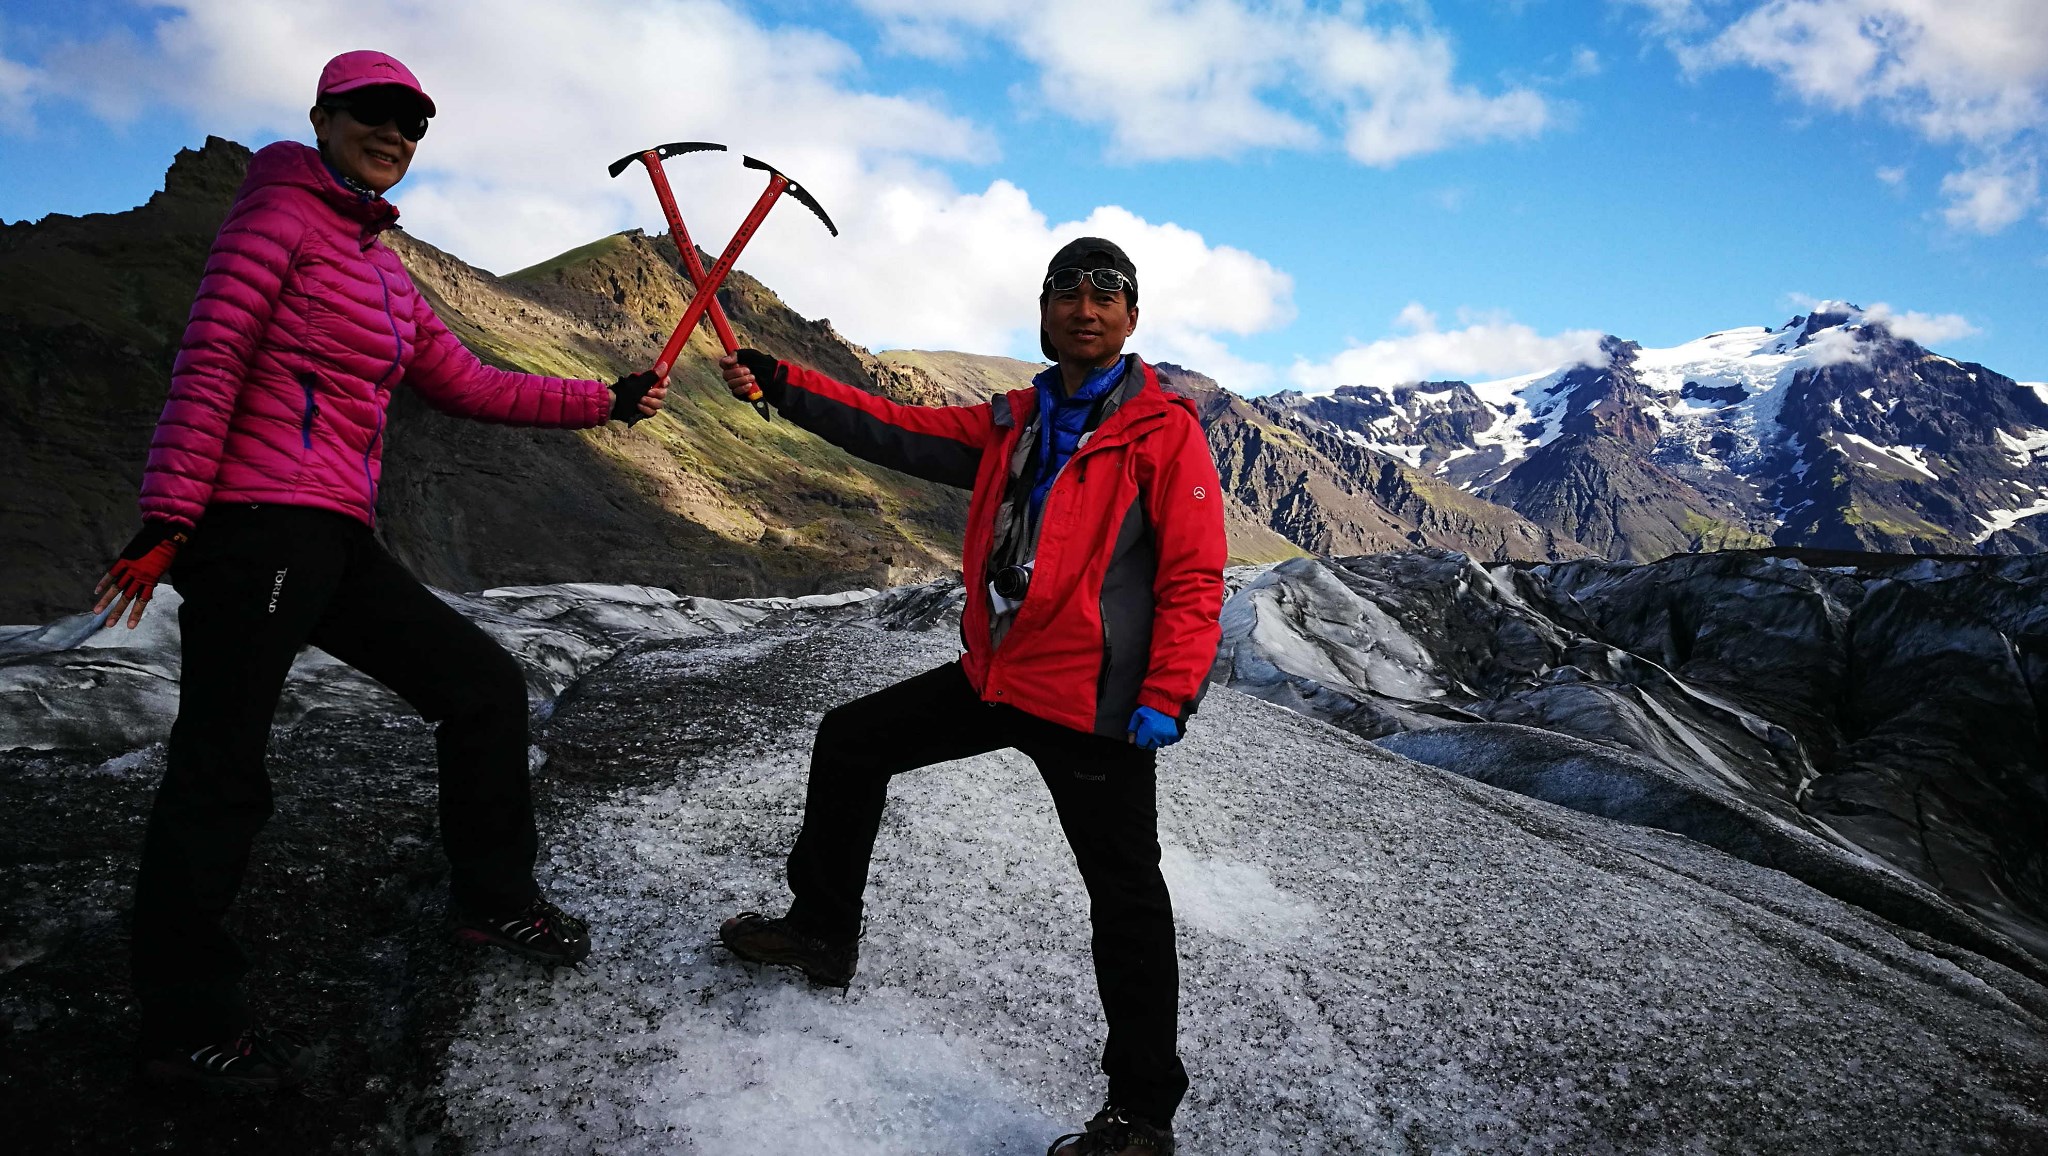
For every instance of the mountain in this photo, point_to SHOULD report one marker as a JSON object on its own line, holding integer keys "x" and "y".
{"x": 1830, "y": 431}
{"x": 1307, "y": 489}
{"x": 706, "y": 498}
{"x": 1290, "y": 487}
{"x": 1380, "y": 950}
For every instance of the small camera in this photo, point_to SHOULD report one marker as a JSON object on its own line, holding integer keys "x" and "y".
{"x": 1012, "y": 582}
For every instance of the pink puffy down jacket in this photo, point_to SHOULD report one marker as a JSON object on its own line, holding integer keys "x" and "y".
{"x": 305, "y": 322}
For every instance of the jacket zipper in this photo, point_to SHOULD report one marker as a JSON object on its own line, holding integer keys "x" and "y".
{"x": 368, "y": 479}
{"x": 306, "y": 382}
{"x": 397, "y": 343}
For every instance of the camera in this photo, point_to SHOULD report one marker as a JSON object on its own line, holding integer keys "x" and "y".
{"x": 1011, "y": 582}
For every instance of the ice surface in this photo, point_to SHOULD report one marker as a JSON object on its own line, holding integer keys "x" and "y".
{"x": 69, "y": 684}
{"x": 1377, "y": 956}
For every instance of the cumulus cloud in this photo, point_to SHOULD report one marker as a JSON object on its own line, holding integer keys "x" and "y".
{"x": 16, "y": 97}
{"x": 1988, "y": 197}
{"x": 1911, "y": 324}
{"x": 1205, "y": 78}
{"x": 1970, "y": 75}
{"x": 1483, "y": 347}
{"x": 1925, "y": 328}
{"x": 537, "y": 98}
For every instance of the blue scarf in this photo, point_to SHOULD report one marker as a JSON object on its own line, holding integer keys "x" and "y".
{"x": 1062, "y": 421}
{"x": 362, "y": 191}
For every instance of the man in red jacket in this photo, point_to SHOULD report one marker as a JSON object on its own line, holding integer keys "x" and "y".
{"x": 1094, "y": 564}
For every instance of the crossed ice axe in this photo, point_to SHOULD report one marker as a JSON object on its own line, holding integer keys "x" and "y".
{"x": 705, "y": 298}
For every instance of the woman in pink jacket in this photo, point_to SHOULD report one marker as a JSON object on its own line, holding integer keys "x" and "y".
{"x": 262, "y": 486}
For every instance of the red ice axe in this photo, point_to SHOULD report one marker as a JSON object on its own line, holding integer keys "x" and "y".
{"x": 705, "y": 298}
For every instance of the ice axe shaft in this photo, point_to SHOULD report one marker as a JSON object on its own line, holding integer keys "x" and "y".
{"x": 693, "y": 268}
{"x": 707, "y": 286}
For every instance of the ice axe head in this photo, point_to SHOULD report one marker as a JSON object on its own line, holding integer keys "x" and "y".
{"x": 795, "y": 190}
{"x": 663, "y": 152}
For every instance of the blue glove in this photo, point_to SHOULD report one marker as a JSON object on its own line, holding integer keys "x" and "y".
{"x": 1152, "y": 730}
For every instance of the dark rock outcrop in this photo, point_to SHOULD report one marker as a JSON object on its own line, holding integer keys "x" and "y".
{"x": 1886, "y": 704}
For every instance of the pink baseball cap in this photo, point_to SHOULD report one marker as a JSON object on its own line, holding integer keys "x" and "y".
{"x": 363, "y": 69}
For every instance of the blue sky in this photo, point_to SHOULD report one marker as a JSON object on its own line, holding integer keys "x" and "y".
{"x": 1540, "y": 171}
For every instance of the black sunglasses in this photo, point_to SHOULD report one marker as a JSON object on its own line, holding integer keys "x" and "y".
{"x": 1068, "y": 280}
{"x": 377, "y": 109}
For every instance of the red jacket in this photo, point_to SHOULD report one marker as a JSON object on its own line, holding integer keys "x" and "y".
{"x": 1128, "y": 577}
{"x": 304, "y": 324}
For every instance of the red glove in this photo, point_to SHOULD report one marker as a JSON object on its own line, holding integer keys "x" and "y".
{"x": 133, "y": 577}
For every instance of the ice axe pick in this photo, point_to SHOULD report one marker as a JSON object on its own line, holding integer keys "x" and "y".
{"x": 705, "y": 298}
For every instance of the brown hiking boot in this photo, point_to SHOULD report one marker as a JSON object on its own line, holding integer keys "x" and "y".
{"x": 758, "y": 939}
{"x": 1114, "y": 1132}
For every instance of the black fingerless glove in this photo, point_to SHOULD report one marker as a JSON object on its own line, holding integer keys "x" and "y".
{"x": 766, "y": 372}
{"x": 626, "y": 394}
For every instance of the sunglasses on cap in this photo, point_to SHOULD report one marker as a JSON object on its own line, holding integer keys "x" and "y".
{"x": 377, "y": 109}
{"x": 1068, "y": 280}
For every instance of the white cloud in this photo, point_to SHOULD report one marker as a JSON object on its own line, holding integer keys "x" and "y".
{"x": 1925, "y": 328}
{"x": 1203, "y": 78}
{"x": 1485, "y": 347}
{"x": 537, "y": 98}
{"x": 1988, "y": 197}
{"x": 1913, "y": 325}
{"x": 1893, "y": 175}
{"x": 1973, "y": 75}
{"x": 17, "y": 84}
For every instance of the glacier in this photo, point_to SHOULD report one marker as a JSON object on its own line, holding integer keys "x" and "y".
{"x": 1379, "y": 954}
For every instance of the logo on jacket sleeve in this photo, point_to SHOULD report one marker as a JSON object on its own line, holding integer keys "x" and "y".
{"x": 1201, "y": 492}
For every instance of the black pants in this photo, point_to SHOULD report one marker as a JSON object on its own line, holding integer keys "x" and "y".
{"x": 1104, "y": 793}
{"x": 259, "y": 583}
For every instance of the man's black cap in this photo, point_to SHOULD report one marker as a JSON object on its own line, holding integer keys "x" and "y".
{"x": 1087, "y": 253}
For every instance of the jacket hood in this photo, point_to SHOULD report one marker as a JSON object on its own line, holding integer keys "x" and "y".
{"x": 287, "y": 162}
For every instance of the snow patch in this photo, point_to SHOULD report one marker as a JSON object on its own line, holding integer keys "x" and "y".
{"x": 1912, "y": 457}
{"x": 1998, "y": 520}
{"x": 2025, "y": 448}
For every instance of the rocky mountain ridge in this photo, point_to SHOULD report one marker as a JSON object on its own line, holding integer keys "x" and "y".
{"x": 706, "y": 498}
{"x": 1830, "y": 431}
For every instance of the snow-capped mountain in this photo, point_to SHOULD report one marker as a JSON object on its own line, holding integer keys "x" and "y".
{"x": 1828, "y": 431}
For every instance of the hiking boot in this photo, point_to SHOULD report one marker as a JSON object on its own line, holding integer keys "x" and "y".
{"x": 758, "y": 939}
{"x": 540, "y": 931}
{"x": 1114, "y": 1132}
{"x": 258, "y": 1060}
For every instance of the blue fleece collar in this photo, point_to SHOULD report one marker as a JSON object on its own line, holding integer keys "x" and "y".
{"x": 1063, "y": 419}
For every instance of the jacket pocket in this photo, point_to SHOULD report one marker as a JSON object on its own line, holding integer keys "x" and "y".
{"x": 308, "y": 381}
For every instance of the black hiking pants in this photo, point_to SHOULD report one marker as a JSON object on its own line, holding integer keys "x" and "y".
{"x": 259, "y": 583}
{"x": 1104, "y": 792}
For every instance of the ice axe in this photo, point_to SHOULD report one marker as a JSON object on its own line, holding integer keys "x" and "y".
{"x": 705, "y": 299}
{"x": 686, "y": 249}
